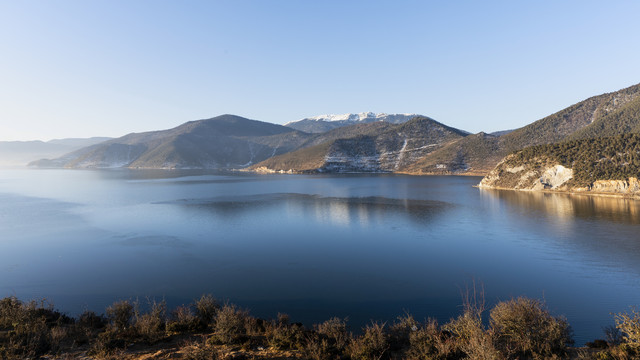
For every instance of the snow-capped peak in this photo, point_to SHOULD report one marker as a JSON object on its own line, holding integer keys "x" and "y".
{"x": 363, "y": 117}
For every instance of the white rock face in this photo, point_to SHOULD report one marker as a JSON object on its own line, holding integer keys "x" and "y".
{"x": 516, "y": 169}
{"x": 543, "y": 176}
{"x": 553, "y": 178}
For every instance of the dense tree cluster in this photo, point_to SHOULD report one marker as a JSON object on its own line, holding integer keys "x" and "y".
{"x": 626, "y": 119}
{"x": 604, "y": 115}
{"x": 608, "y": 158}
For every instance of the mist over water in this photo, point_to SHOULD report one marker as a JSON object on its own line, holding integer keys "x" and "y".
{"x": 362, "y": 246}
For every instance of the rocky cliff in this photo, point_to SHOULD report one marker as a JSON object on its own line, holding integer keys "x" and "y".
{"x": 630, "y": 186}
{"x": 538, "y": 174}
{"x": 548, "y": 176}
{"x": 598, "y": 166}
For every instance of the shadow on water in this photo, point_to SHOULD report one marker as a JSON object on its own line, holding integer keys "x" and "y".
{"x": 361, "y": 210}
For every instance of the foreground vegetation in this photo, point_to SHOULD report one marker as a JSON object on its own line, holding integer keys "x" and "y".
{"x": 520, "y": 328}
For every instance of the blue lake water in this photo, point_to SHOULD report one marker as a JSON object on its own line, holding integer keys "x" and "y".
{"x": 362, "y": 246}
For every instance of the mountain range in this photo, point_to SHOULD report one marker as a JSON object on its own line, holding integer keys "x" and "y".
{"x": 324, "y": 123}
{"x": 223, "y": 142}
{"x": 20, "y": 153}
{"x": 604, "y": 115}
{"x": 373, "y": 147}
{"x": 477, "y": 154}
{"x": 365, "y": 142}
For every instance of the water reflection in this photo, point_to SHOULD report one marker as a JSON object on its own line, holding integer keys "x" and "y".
{"x": 362, "y": 246}
{"x": 604, "y": 230}
{"x": 341, "y": 211}
{"x": 191, "y": 180}
{"x": 566, "y": 207}
{"x": 154, "y": 240}
{"x": 156, "y": 174}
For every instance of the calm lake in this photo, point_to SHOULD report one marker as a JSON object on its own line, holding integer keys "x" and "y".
{"x": 362, "y": 246}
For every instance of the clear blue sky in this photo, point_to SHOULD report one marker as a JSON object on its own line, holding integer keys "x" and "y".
{"x": 108, "y": 67}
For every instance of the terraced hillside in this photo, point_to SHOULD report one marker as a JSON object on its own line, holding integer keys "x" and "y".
{"x": 384, "y": 148}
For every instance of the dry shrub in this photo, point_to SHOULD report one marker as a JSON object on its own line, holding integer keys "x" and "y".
{"x": 196, "y": 317}
{"x": 613, "y": 336}
{"x": 59, "y": 336}
{"x": 91, "y": 320}
{"x": 230, "y": 325}
{"x": 621, "y": 352}
{"x": 44, "y": 309}
{"x": 120, "y": 315}
{"x": 108, "y": 344}
{"x": 317, "y": 347}
{"x": 11, "y": 312}
{"x": 128, "y": 323}
{"x": 373, "y": 344}
{"x": 328, "y": 341}
{"x": 626, "y": 334}
{"x": 429, "y": 342}
{"x": 470, "y": 336}
{"x": 283, "y": 319}
{"x": 206, "y": 309}
{"x": 336, "y": 332}
{"x": 629, "y": 325}
{"x": 583, "y": 354}
{"x": 182, "y": 319}
{"x": 523, "y": 327}
{"x": 285, "y": 337}
{"x": 150, "y": 326}
{"x": 87, "y": 327}
{"x": 254, "y": 326}
{"x": 26, "y": 328}
{"x": 282, "y": 335}
{"x": 400, "y": 331}
{"x": 30, "y": 338}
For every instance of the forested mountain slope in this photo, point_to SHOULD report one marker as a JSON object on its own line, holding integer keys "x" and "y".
{"x": 603, "y": 115}
{"x": 223, "y": 142}
{"x": 606, "y": 164}
{"x": 386, "y": 148}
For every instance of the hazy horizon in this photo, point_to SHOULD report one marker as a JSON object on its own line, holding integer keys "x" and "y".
{"x": 77, "y": 69}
